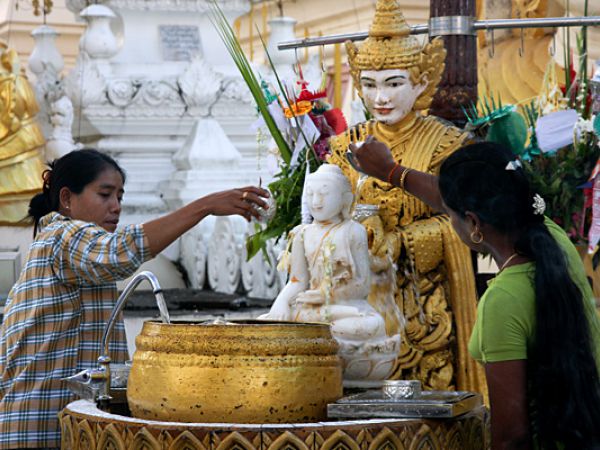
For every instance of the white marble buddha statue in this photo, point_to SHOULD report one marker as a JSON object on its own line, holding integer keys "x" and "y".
{"x": 329, "y": 281}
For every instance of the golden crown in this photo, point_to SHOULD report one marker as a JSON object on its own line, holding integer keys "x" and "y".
{"x": 390, "y": 46}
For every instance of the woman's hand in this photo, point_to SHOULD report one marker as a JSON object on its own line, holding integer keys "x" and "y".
{"x": 243, "y": 201}
{"x": 374, "y": 158}
{"x": 163, "y": 231}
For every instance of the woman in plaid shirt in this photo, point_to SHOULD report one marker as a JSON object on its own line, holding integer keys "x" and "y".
{"x": 56, "y": 312}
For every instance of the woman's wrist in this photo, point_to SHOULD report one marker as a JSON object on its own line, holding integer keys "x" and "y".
{"x": 402, "y": 178}
{"x": 392, "y": 173}
{"x": 397, "y": 176}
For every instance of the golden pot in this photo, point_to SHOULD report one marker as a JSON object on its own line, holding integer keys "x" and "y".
{"x": 248, "y": 372}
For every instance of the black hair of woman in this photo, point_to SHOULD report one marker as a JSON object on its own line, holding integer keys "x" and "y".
{"x": 563, "y": 369}
{"x": 75, "y": 171}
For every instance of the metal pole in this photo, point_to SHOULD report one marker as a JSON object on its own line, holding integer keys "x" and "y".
{"x": 453, "y": 22}
{"x": 495, "y": 24}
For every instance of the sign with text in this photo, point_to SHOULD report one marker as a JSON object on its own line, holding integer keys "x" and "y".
{"x": 179, "y": 42}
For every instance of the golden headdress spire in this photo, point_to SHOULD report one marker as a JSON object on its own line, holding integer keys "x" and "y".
{"x": 390, "y": 46}
{"x": 388, "y": 21}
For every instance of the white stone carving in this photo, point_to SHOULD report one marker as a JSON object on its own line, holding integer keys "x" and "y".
{"x": 98, "y": 40}
{"x": 225, "y": 254}
{"x": 260, "y": 277}
{"x": 45, "y": 55}
{"x": 194, "y": 253}
{"x": 61, "y": 140}
{"x": 85, "y": 85}
{"x": 330, "y": 281}
{"x": 158, "y": 92}
{"x": 121, "y": 91}
{"x": 207, "y": 149}
{"x": 200, "y": 6}
{"x": 200, "y": 86}
{"x": 236, "y": 89}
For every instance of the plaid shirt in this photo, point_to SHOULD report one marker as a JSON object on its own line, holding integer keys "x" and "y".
{"x": 54, "y": 318}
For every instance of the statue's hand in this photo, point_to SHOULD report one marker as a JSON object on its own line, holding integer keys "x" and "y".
{"x": 374, "y": 158}
{"x": 312, "y": 296}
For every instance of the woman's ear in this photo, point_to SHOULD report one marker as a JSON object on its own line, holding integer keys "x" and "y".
{"x": 473, "y": 220}
{"x": 64, "y": 199}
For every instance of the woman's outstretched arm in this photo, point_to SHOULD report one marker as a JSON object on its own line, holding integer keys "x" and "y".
{"x": 163, "y": 231}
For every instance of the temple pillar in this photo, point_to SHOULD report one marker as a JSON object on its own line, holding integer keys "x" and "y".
{"x": 458, "y": 87}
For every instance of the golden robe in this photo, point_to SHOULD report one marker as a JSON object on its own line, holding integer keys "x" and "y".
{"x": 435, "y": 278}
{"x": 21, "y": 141}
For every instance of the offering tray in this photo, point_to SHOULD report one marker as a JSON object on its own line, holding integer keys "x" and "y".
{"x": 429, "y": 404}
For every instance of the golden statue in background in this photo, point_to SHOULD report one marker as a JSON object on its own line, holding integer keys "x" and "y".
{"x": 502, "y": 72}
{"x": 21, "y": 141}
{"x": 397, "y": 78}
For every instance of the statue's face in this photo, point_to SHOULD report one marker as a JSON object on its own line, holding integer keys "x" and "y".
{"x": 389, "y": 95}
{"x": 324, "y": 197}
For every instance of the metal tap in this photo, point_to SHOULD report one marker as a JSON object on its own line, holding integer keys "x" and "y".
{"x": 103, "y": 372}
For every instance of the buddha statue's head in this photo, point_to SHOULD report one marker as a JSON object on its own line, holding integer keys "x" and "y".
{"x": 392, "y": 71}
{"x": 328, "y": 194}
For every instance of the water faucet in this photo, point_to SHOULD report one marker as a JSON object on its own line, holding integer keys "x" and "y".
{"x": 104, "y": 398}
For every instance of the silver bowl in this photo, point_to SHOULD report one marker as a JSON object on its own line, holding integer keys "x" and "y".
{"x": 401, "y": 389}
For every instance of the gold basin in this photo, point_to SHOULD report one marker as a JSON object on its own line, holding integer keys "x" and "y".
{"x": 249, "y": 372}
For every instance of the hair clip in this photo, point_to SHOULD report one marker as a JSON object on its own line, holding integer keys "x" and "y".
{"x": 539, "y": 205}
{"x": 513, "y": 165}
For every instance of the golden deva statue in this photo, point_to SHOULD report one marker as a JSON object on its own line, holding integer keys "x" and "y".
{"x": 397, "y": 78}
{"x": 21, "y": 141}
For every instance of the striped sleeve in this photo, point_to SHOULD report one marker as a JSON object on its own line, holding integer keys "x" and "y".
{"x": 85, "y": 254}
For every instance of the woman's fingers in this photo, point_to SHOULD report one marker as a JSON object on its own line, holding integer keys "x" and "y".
{"x": 247, "y": 210}
{"x": 256, "y": 190}
{"x": 252, "y": 197}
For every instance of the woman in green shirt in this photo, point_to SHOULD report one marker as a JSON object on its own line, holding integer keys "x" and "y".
{"x": 537, "y": 332}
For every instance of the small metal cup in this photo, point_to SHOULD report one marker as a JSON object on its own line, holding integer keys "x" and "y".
{"x": 363, "y": 211}
{"x": 401, "y": 389}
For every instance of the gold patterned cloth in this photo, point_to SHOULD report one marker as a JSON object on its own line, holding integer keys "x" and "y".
{"x": 435, "y": 279}
{"x": 21, "y": 141}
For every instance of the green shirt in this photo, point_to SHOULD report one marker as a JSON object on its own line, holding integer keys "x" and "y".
{"x": 505, "y": 325}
